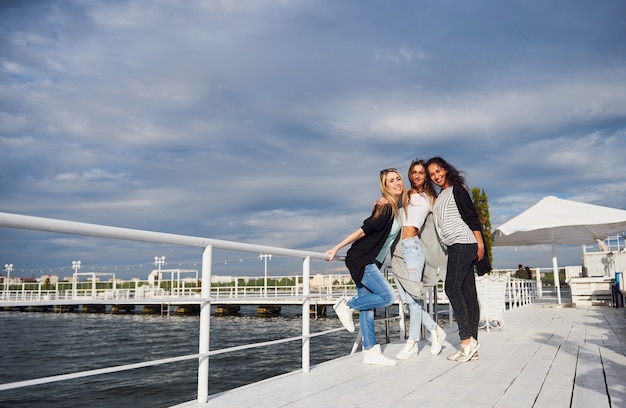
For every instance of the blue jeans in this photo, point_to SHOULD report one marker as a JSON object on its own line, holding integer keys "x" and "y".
{"x": 374, "y": 291}
{"x": 413, "y": 255}
{"x": 461, "y": 288}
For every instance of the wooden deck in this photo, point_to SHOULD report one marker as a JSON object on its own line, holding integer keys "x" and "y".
{"x": 545, "y": 356}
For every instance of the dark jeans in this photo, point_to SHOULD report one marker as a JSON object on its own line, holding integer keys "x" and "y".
{"x": 461, "y": 288}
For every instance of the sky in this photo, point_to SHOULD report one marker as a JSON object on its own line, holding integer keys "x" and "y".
{"x": 268, "y": 122}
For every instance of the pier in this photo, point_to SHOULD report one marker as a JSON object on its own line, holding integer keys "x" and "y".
{"x": 544, "y": 357}
{"x": 227, "y": 298}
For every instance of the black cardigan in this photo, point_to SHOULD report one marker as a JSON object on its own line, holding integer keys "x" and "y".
{"x": 470, "y": 216}
{"x": 365, "y": 249}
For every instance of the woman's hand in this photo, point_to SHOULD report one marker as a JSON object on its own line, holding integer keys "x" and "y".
{"x": 481, "y": 245}
{"x": 480, "y": 253}
{"x": 347, "y": 240}
{"x": 382, "y": 201}
{"x": 332, "y": 252}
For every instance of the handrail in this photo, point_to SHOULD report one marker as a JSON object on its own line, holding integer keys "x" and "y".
{"x": 8, "y": 220}
{"x": 19, "y": 221}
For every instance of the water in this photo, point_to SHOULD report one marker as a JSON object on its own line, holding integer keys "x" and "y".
{"x": 34, "y": 345}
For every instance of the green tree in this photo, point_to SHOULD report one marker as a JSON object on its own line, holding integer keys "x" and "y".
{"x": 481, "y": 202}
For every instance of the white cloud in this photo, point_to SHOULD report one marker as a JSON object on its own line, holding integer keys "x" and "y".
{"x": 483, "y": 115}
{"x": 268, "y": 121}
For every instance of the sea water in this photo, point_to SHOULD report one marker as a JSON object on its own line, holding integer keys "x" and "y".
{"x": 35, "y": 345}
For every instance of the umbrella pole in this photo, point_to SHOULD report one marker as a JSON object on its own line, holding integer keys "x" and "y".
{"x": 555, "y": 270}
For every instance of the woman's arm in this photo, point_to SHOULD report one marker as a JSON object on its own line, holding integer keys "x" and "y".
{"x": 347, "y": 240}
{"x": 466, "y": 207}
{"x": 470, "y": 216}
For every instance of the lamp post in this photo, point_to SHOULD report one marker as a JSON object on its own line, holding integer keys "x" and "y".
{"x": 8, "y": 268}
{"x": 265, "y": 257}
{"x": 159, "y": 261}
{"x": 76, "y": 265}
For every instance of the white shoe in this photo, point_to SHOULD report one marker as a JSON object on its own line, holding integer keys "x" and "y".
{"x": 409, "y": 350}
{"x": 468, "y": 351}
{"x": 375, "y": 356}
{"x": 344, "y": 313}
{"x": 454, "y": 356}
{"x": 437, "y": 338}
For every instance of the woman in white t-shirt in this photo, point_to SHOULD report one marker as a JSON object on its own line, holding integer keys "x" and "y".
{"x": 420, "y": 199}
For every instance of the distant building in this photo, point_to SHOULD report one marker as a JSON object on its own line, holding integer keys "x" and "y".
{"x": 224, "y": 279}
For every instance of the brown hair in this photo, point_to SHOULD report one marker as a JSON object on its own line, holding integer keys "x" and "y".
{"x": 428, "y": 186}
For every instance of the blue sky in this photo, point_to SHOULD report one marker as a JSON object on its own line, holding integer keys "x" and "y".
{"x": 268, "y": 121}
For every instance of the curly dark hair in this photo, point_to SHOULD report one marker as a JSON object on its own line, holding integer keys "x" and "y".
{"x": 452, "y": 174}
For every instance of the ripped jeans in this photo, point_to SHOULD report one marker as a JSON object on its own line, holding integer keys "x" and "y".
{"x": 413, "y": 255}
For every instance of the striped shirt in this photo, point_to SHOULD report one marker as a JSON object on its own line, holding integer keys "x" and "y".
{"x": 450, "y": 226}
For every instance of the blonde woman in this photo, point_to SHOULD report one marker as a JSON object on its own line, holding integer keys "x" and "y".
{"x": 370, "y": 245}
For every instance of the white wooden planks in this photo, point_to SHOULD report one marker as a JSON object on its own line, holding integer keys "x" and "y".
{"x": 545, "y": 357}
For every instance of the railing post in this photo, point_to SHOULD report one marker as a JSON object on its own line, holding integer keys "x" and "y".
{"x": 539, "y": 284}
{"x": 205, "y": 321}
{"x": 306, "y": 316}
{"x": 94, "y": 291}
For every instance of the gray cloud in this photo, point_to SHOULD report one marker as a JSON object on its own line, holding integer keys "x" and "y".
{"x": 268, "y": 121}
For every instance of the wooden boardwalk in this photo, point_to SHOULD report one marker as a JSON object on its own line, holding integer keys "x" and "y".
{"x": 545, "y": 356}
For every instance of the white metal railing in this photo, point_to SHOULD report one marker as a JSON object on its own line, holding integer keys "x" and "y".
{"x": 26, "y": 292}
{"x": 8, "y": 220}
{"x": 611, "y": 243}
{"x": 521, "y": 293}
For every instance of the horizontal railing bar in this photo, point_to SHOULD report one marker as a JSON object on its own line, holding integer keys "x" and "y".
{"x": 89, "y": 373}
{"x": 103, "y": 231}
{"x": 271, "y": 342}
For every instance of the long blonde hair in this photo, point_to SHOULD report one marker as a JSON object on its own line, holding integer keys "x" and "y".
{"x": 393, "y": 202}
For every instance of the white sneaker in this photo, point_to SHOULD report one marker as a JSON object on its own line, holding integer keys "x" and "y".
{"x": 455, "y": 355}
{"x": 409, "y": 350}
{"x": 344, "y": 313}
{"x": 437, "y": 338}
{"x": 468, "y": 351}
{"x": 375, "y": 356}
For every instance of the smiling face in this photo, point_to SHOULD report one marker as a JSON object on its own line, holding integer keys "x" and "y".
{"x": 394, "y": 183}
{"x": 438, "y": 175}
{"x": 417, "y": 176}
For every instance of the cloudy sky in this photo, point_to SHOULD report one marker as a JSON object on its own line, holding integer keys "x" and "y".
{"x": 268, "y": 121}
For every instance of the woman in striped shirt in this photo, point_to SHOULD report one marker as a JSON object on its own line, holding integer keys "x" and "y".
{"x": 459, "y": 229}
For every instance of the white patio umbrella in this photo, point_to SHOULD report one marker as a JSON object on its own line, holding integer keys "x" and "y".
{"x": 557, "y": 221}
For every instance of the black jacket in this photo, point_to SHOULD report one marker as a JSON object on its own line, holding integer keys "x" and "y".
{"x": 365, "y": 250}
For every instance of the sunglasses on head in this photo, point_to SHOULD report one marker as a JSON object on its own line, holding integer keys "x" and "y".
{"x": 382, "y": 172}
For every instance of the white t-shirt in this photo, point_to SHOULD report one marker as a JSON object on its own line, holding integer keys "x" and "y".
{"x": 416, "y": 212}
